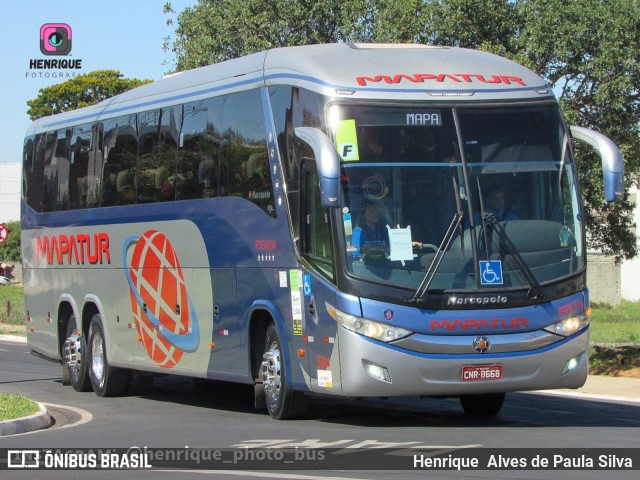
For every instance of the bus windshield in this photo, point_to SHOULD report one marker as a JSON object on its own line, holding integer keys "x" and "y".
{"x": 479, "y": 198}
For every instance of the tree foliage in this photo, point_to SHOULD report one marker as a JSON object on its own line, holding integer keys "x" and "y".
{"x": 81, "y": 91}
{"x": 587, "y": 50}
{"x": 10, "y": 249}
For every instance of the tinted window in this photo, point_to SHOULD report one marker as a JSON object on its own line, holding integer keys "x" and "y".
{"x": 199, "y": 158}
{"x": 294, "y": 107}
{"x": 158, "y": 143}
{"x": 81, "y": 143}
{"x": 50, "y": 181}
{"x": 244, "y": 169}
{"x": 120, "y": 155}
{"x": 316, "y": 233}
{"x": 32, "y": 170}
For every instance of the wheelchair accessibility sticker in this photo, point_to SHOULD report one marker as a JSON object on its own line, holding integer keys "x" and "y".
{"x": 491, "y": 272}
{"x": 306, "y": 285}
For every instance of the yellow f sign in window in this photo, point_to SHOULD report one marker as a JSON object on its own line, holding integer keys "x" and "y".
{"x": 347, "y": 141}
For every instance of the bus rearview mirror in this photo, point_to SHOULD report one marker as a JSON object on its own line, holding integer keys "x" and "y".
{"x": 612, "y": 161}
{"x": 327, "y": 162}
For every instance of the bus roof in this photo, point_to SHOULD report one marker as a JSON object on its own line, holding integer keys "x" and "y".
{"x": 364, "y": 71}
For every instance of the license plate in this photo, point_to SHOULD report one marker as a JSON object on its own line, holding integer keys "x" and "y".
{"x": 474, "y": 373}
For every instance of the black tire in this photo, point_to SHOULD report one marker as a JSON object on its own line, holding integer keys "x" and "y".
{"x": 283, "y": 403}
{"x": 106, "y": 381}
{"x": 482, "y": 404}
{"x": 74, "y": 358}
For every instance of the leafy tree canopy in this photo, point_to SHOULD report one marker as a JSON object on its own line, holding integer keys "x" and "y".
{"x": 10, "y": 249}
{"x": 588, "y": 51}
{"x": 81, "y": 91}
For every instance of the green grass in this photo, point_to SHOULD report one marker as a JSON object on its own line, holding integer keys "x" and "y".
{"x": 616, "y": 325}
{"x": 16, "y": 406}
{"x": 12, "y": 305}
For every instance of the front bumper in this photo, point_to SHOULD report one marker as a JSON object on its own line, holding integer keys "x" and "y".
{"x": 413, "y": 373}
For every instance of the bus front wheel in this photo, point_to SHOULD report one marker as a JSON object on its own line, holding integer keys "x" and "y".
{"x": 283, "y": 403}
{"x": 482, "y": 404}
{"x": 107, "y": 381}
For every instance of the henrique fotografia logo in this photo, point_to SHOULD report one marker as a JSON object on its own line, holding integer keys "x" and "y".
{"x": 55, "y": 39}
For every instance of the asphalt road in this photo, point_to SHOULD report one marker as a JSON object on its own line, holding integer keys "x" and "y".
{"x": 178, "y": 412}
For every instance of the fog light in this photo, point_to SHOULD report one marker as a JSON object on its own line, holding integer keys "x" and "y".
{"x": 571, "y": 364}
{"x": 377, "y": 372}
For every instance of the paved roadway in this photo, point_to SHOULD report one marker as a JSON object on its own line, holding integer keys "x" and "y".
{"x": 178, "y": 412}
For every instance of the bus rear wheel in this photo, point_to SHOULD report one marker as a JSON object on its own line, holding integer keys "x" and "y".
{"x": 283, "y": 403}
{"x": 107, "y": 381}
{"x": 482, "y": 404}
{"x": 74, "y": 358}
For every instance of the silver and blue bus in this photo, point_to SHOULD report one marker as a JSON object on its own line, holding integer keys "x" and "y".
{"x": 349, "y": 220}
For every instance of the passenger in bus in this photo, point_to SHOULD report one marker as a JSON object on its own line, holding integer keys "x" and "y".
{"x": 374, "y": 151}
{"x": 125, "y": 186}
{"x": 371, "y": 234}
{"x": 205, "y": 177}
{"x": 495, "y": 204}
{"x": 164, "y": 184}
{"x": 258, "y": 180}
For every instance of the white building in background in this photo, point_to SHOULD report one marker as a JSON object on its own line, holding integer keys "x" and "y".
{"x": 630, "y": 271}
{"x": 10, "y": 180}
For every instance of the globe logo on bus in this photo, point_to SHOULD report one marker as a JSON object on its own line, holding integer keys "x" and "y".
{"x": 162, "y": 310}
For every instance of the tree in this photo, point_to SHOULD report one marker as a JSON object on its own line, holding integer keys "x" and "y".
{"x": 587, "y": 50}
{"x": 10, "y": 249}
{"x": 81, "y": 91}
{"x": 216, "y": 30}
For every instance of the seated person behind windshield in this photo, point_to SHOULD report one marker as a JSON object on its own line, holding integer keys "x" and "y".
{"x": 370, "y": 232}
{"x": 494, "y": 204}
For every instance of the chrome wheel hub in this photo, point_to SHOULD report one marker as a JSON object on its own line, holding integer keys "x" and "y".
{"x": 72, "y": 354}
{"x": 97, "y": 357}
{"x": 272, "y": 373}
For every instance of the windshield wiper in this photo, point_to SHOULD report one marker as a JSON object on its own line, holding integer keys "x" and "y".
{"x": 456, "y": 221}
{"x": 507, "y": 247}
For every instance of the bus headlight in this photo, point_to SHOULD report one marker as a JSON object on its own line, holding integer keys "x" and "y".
{"x": 369, "y": 328}
{"x": 570, "y": 325}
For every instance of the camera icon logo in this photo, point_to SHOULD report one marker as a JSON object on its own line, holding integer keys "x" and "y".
{"x": 55, "y": 39}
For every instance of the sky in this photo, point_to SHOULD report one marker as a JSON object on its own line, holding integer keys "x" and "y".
{"x": 124, "y": 35}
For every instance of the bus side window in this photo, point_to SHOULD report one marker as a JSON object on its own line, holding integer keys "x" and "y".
{"x": 79, "y": 166}
{"x": 120, "y": 158}
{"x": 32, "y": 172}
{"x": 199, "y": 150}
{"x": 157, "y": 156}
{"x": 50, "y": 190}
{"x": 316, "y": 243}
{"x": 244, "y": 165}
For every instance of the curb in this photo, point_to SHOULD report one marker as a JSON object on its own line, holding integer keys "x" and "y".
{"x": 37, "y": 421}
{"x": 13, "y": 338}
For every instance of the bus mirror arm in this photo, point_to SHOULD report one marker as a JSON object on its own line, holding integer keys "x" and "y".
{"x": 327, "y": 162}
{"x": 612, "y": 161}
